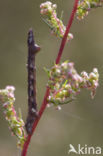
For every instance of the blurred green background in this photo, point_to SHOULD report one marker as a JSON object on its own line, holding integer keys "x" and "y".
{"x": 80, "y": 122}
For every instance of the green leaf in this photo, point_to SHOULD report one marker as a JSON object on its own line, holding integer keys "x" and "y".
{"x": 47, "y": 71}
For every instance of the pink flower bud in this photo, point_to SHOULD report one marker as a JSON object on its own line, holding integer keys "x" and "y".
{"x": 70, "y": 35}
{"x": 70, "y": 64}
{"x": 84, "y": 75}
{"x": 10, "y": 88}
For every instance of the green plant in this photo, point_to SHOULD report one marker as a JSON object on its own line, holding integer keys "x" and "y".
{"x": 64, "y": 81}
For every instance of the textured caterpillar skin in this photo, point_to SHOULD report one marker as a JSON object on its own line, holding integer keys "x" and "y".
{"x": 32, "y": 104}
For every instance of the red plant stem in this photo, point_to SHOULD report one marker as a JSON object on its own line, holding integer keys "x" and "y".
{"x": 66, "y": 32}
{"x": 43, "y": 106}
{"x": 44, "y": 103}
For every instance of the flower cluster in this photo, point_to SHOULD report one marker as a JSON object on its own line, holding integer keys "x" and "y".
{"x": 65, "y": 83}
{"x": 16, "y": 124}
{"x": 85, "y": 6}
{"x": 56, "y": 25}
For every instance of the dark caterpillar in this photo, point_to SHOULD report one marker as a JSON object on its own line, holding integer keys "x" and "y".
{"x": 32, "y": 104}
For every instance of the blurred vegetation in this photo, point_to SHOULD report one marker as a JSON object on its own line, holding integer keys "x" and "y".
{"x": 78, "y": 122}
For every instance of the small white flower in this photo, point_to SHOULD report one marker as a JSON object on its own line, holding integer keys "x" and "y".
{"x": 70, "y": 35}
{"x": 10, "y": 88}
{"x": 92, "y": 75}
{"x": 58, "y": 108}
{"x": 84, "y": 74}
{"x": 54, "y": 6}
{"x": 58, "y": 71}
{"x": 95, "y": 70}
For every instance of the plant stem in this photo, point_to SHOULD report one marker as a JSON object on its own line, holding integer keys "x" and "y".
{"x": 44, "y": 103}
{"x": 43, "y": 106}
{"x": 67, "y": 31}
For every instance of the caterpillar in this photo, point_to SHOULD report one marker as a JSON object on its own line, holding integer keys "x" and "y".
{"x": 32, "y": 104}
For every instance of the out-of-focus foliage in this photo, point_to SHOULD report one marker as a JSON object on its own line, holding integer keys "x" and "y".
{"x": 85, "y": 6}
{"x": 16, "y": 124}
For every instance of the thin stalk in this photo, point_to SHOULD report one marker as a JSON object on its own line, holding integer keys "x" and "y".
{"x": 44, "y": 103}
{"x": 66, "y": 32}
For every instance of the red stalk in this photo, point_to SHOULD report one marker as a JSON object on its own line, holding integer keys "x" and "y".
{"x": 44, "y": 103}
{"x": 66, "y": 32}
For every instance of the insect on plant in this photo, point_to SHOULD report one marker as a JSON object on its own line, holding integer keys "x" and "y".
{"x": 64, "y": 82}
